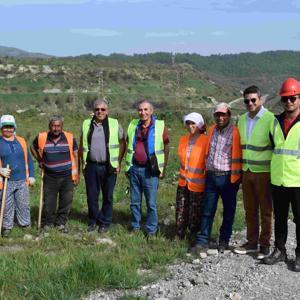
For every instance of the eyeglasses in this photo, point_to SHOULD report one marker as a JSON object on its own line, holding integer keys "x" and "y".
{"x": 100, "y": 109}
{"x": 287, "y": 98}
{"x": 247, "y": 101}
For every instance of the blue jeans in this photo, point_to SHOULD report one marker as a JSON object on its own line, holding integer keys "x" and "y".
{"x": 216, "y": 186}
{"x": 96, "y": 178}
{"x": 141, "y": 181}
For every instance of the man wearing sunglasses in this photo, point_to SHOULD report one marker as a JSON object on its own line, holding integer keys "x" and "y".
{"x": 285, "y": 171}
{"x": 102, "y": 147}
{"x": 257, "y": 151}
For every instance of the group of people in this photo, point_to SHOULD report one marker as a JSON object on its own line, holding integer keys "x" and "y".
{"x": 262, "y": 153}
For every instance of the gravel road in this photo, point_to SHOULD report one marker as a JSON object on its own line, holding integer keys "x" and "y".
{"x": 226, "y": 276}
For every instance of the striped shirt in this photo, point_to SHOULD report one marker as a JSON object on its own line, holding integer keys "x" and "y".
{"x": 220, "y": 150}
{"x": 56, "y": 156}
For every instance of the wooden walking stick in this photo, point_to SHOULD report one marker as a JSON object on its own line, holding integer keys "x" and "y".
{"x": 3, "y": 201}
{"x": 41, "y": 201}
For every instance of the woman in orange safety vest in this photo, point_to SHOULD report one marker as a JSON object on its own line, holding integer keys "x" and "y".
{"x": 191, "y": 152}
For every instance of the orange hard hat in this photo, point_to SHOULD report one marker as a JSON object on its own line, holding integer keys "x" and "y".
{"x": 290, "y": 87}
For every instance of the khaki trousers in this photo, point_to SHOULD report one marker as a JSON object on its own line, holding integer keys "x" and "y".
{"x": 257, "y": 202}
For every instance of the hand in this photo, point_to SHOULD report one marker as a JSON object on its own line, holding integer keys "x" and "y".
{"x": 5, "y": 172}
{"x": 118, "y": 169}
{"x": 31, "y": 181}
{"x": 41, "y": 165}
{"x": 76, "y": 181}
{"x": 162, "y": 175}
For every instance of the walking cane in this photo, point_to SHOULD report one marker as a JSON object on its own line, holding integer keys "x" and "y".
{"x": 3, "y": 201}
{"x": 41, "y": 201}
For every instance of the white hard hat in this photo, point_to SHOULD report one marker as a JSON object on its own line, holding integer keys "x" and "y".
{"x": 8, "y": 120}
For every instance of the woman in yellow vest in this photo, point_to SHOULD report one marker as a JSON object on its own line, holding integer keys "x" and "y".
{"x": 191, "y": 152}
{"x": 14, "y": 153}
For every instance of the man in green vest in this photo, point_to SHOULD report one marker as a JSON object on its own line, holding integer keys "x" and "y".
{"x": 102, "y": 147}
{"x": 254, "y": 127}
{"x": 146, "y": 160}
{"x": 285, "y": 171}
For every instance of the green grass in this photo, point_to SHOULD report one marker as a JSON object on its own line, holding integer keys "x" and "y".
{"x": 68, "y": 266}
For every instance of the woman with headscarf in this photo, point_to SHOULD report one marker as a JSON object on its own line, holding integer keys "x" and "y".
{"x": 191, "y": 152}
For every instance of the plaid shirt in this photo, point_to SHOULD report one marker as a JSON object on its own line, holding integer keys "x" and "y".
{"x": 220, "y": 150}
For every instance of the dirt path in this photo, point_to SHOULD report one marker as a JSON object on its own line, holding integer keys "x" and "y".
{"x": 227, "y": 276}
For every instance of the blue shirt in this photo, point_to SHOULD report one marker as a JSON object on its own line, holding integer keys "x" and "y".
{"x": 11, "y": 152}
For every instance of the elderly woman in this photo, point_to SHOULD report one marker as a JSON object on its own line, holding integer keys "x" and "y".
{"x": 191, "y": 152}
{"x": 14, "y": 152}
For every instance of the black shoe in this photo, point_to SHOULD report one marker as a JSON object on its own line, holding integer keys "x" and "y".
{"x": 275, "y": 257}
{"x": 263, "y": 252}
{"x": 103, "y": 229}
{"x": 6, "y": 232}
{"x": 223, "y": 246}
{"x": 62, "y": 228}
{"x": 296, "y": 264}
{"x": 91, "y": 227}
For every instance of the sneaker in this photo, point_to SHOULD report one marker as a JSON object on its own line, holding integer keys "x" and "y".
{"x": 6, "y": 232}
{"x": 275, "y": 257}
{"x": 223, "y": 246}
{"x": 245, "y": 249}
{"x": 263, "y": 252}
{"x": 200, "y": 251}
{"x": 296, "y": 264}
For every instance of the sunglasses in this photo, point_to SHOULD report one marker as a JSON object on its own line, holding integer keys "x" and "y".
{"x": 100, "y": 109}
{"x": 247, "y": 101}
{"x": 287, "y": 98}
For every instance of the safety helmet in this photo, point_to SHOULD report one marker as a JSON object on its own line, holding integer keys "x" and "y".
{"x": 290, "y": 87}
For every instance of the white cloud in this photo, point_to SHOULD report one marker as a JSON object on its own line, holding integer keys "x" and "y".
{"x": 218, "y": 33}
{"x": 40, "y": 2}
{"x": 96, "y": 32}
{"x": 169, "y": 34}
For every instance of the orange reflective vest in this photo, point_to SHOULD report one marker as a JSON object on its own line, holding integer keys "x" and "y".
{"x": 192, "y": 172}
{"x": 42, "y": 138}
{"x": 236, "y": 156}
{"x": 24, "y": 148}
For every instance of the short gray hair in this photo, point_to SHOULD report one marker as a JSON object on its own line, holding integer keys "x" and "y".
{"x": 56, "y": 118}
{"x": 99, "y": 102}
{"x": 144, "y": 101}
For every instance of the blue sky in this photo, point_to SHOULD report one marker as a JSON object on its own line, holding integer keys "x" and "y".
{"x": 76, "y": 27}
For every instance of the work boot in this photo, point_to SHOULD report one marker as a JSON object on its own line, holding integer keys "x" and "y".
{"x": 6, "y": 232}
{"x": 91, "y": 227}
{"x": 200, "y": 251}
{"x": 296, "y": 264}
{"x": 275, "y": 257}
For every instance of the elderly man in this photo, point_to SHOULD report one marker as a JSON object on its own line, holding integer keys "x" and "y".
{"x": 14, "y": 152}
{"x": 102, "y": 148}
{"x": 57, "y": 154}
{"x": 285, "y": 171}
{"x": 146, "y": 160}
{"x": 254, "y": 127}
{"x": 223, "y": 171}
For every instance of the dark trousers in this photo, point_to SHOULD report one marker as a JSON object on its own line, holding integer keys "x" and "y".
{"x": 282, "y": 197}
{"x": 97, "y": 177}
{"x": 216, "y": 186}
{"x": 63, "y": 188}
{"x": 189, "y": 206}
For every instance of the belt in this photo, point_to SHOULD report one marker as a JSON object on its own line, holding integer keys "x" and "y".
{"x": 218, "y": 173}
{"x": 98, "y": 163}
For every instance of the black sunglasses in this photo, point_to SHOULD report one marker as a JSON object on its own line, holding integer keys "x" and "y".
{"x": 100, "y": 109}
{"x": 247, "y": 101}
{"x": 287, "y": 98}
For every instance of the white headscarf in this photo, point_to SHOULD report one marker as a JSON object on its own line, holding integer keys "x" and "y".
{"x": 194, "y": 117}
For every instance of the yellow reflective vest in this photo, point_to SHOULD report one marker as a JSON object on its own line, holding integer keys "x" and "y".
{"x": 285, "y": 164}
{"x": 257, "y": 150}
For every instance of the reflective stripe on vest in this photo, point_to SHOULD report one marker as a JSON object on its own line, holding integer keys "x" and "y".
{"x": 257, "y": 150}
{"x": 285, "y": 164}
{"x": 236, "y": 153}
{"x": 113, "y": 146}
{"x": 24, "y": 148}
{"x": 192, "y": 171}
{"x": 42, "y": 139}
{"x": 158, "y": 143}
